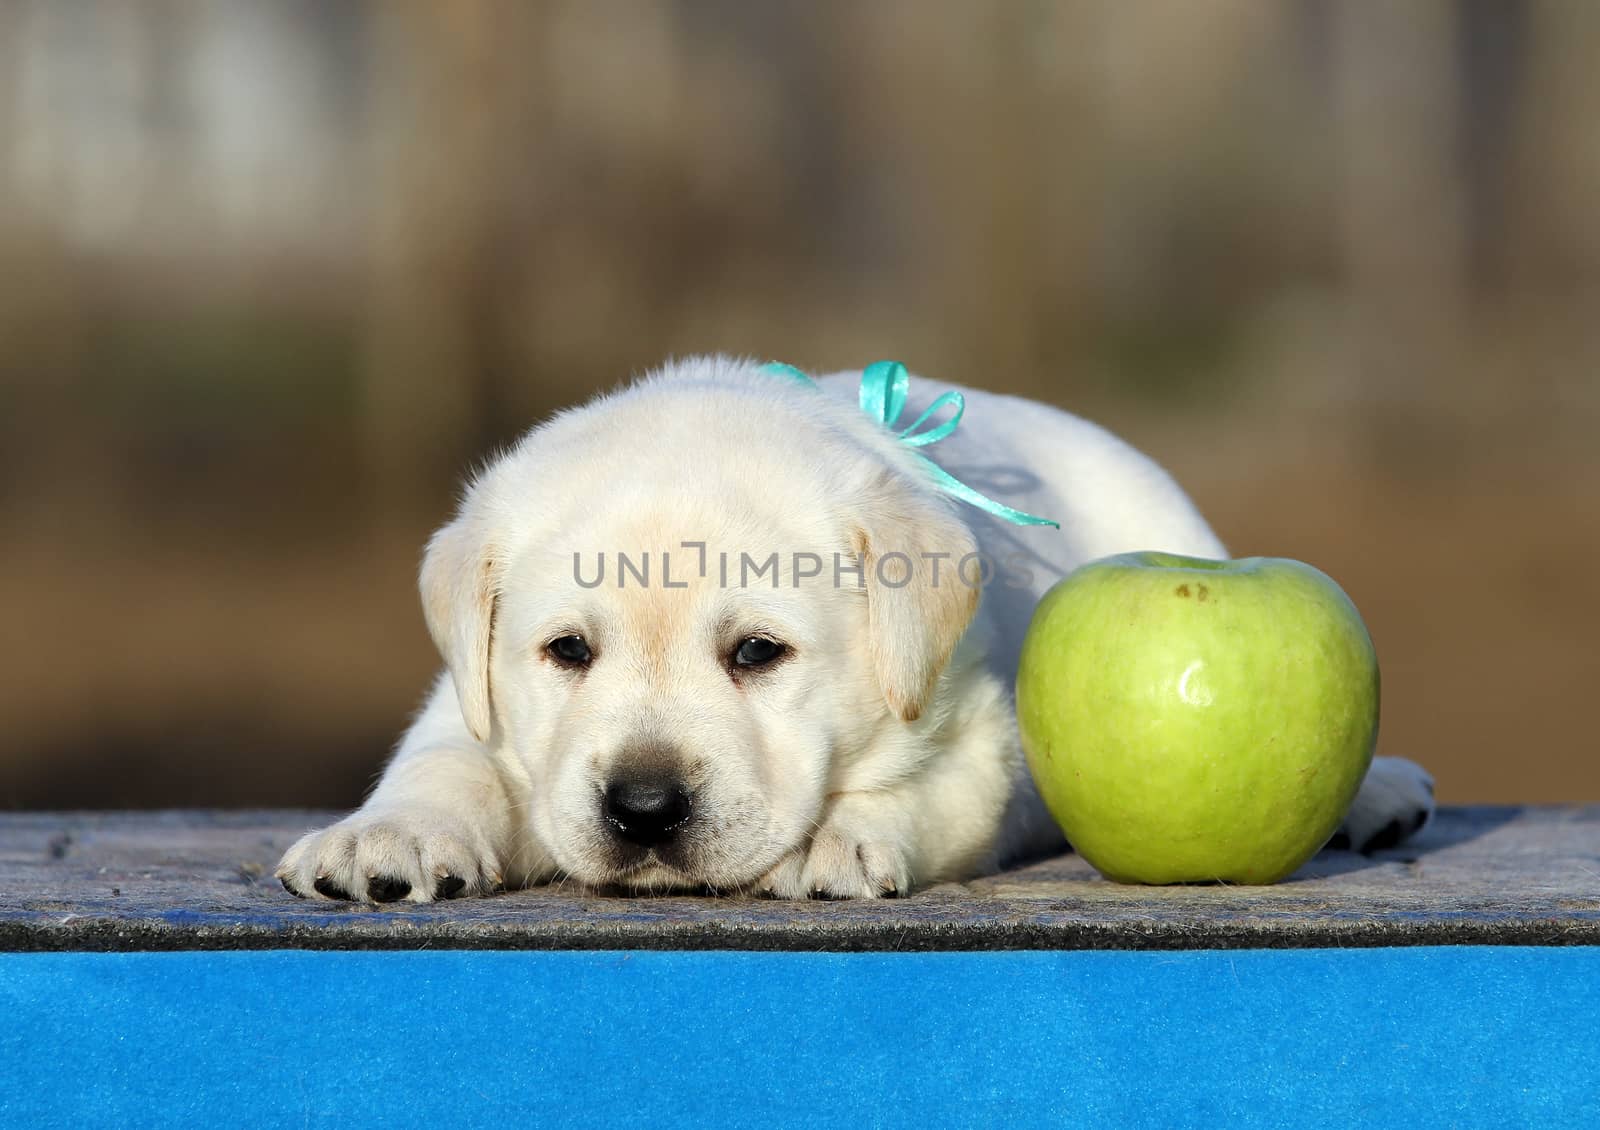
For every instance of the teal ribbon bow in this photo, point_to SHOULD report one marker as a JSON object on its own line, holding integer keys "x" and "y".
{"x": 883, "y": 397}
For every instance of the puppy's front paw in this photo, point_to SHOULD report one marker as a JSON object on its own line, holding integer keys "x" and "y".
{"x": 385, "y": 857}
{"x": 839, "y": 865}
{"x": 1394, "y": 804}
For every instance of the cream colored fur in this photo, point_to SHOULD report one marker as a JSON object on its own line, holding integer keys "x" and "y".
{"x": 881, "y": 754}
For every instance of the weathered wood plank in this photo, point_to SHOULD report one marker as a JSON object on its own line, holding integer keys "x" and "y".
{"x": 203, "y": 880}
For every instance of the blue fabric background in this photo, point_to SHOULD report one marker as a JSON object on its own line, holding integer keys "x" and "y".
{"x": 1479, "y": 1036}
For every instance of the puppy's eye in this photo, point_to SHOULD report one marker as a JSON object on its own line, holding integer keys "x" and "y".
{"x": 569, "y": 651}
{"x": 757, "y": 652}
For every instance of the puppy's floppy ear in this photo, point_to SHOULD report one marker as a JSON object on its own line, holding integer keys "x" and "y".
{"x": 459, "y": 583}
{"x": 910, "y": 547}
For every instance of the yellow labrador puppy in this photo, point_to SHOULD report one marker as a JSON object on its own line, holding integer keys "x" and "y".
{"x": 724, "y": 630}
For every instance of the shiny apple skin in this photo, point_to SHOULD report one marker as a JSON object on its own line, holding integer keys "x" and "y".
{"x": 1189, "y": 720}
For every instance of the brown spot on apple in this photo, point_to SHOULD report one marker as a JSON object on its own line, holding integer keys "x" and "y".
{"x": 1182, "y": 590}
{"x": 1204, "y": 593}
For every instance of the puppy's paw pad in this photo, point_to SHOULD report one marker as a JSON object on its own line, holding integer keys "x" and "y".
{"x": 329, "y": 889}
{"x": 387, "y": 888}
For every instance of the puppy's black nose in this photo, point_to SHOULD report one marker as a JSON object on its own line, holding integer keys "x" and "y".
{"x": 646, "y": 810}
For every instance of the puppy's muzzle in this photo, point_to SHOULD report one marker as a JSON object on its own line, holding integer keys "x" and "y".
{"x": 648, "y": 810}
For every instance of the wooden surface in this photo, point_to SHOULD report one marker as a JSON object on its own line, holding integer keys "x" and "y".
{"x": 203, "y": 880}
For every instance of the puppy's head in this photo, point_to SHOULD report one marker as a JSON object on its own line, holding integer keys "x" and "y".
{"x": 690, "y": 612}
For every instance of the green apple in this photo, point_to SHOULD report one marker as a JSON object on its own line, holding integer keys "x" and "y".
{"x": 1190, "y": 720}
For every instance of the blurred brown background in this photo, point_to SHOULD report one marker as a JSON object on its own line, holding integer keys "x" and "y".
{"x": 273, "y": 274}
